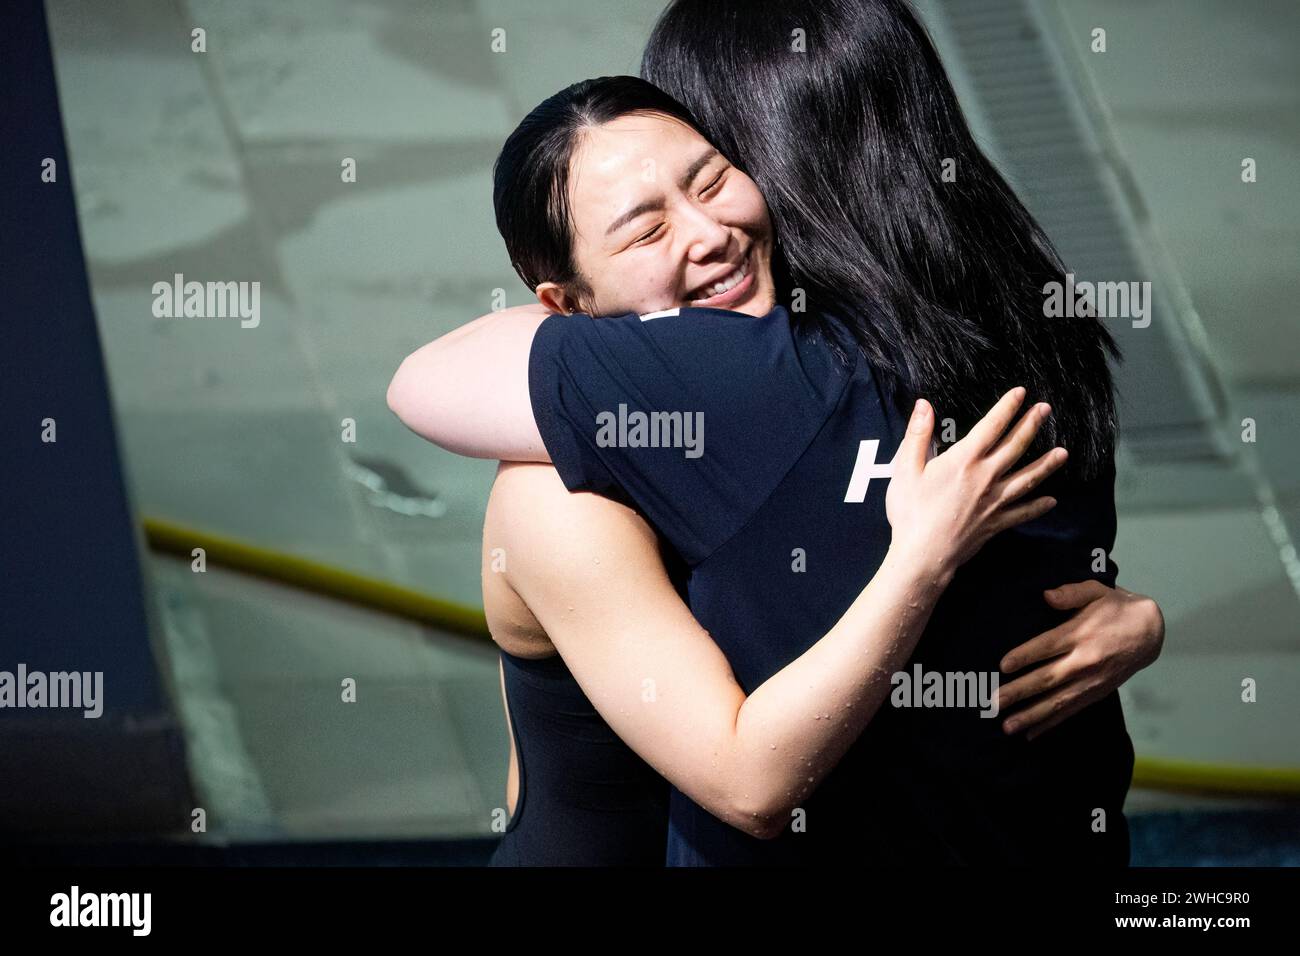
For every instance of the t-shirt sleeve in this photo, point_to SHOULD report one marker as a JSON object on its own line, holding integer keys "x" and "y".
{"x": 693, "y": 417}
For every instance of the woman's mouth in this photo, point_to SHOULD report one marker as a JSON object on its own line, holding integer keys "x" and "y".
{"x": 726, "y": 291}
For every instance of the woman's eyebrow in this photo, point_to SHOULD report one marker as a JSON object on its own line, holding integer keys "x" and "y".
{"x": 694, "y": 169}
{"x": 653, "y": 205}
{"x": 650, "y": 205}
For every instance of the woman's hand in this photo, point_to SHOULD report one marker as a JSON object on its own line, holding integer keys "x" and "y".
{"x": 946, "y": 508}
{"x": 1114, "y": 635}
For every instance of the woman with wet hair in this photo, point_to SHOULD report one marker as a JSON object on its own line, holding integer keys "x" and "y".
{"x": 911, "y": 287}
{"x": 584, "y": 598}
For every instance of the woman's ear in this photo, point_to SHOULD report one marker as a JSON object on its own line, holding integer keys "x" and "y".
{"x": 555, "y": 298}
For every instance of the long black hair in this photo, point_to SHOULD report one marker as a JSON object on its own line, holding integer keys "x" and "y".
{"x": 939, "y": 284}
{"x": 530, "y": 179}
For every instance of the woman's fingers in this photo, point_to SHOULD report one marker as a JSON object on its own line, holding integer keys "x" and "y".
{"x": 1019, "y": 514}
{"x": 1028, "y": 686}
{"x": 1076, "y": 594}
{"x": 1049, "y": 644}
{"x": 1031, "y": 476}
{"x": 1017, "y": 442}
{"x": 914, "y": 450}
{"x": 991, "y": 427}
{"x": 1056, "y": 708}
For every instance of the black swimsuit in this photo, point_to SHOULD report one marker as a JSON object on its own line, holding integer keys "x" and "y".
{"x": 585, "y": 798}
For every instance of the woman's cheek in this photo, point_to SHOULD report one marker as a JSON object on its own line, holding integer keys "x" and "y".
{"x": 659, "y": 286}
{"x": 665, "y": 297}
{"x": 755, "y": 206}
{"x": 751, "y": 216}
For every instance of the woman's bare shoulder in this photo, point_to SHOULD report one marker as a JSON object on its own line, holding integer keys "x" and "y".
{"x": 531, "y": 507}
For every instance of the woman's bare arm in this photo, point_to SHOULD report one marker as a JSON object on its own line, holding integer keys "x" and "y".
{"x": 467, "y": 391}
{"x": 443, "y": 393}
{"x": 590, "y": 571}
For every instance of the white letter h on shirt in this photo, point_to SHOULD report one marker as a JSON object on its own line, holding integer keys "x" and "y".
{"x": 864, "y": 469}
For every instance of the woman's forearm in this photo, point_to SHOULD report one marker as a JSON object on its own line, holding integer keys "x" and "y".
{"x": 467, "y": 391}
{"x": 591, "y": 572}
{"x": 797, "y": 725}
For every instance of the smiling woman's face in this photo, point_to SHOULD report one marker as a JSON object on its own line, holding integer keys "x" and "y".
{"x": 660, "y": 219}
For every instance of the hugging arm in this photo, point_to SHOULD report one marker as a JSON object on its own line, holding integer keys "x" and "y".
{"x": 590, "y": 571}
{"x": 467, "y": 391}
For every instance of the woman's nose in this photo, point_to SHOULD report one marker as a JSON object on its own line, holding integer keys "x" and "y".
{"x": 708, "y": 235}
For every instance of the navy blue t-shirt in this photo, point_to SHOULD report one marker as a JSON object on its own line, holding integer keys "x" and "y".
{"x": 759, "y": 456}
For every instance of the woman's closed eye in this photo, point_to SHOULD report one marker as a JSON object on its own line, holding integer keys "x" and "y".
{"x": 714, "y": 185}
{"x": 649, "y": 235}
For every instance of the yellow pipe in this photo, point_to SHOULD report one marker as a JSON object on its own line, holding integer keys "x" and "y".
{"x": 320, "y": 578}
{"x": 1157, "y": 773}
{"x": 1161, "y": 773}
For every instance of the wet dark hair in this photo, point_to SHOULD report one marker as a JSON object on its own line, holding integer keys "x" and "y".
{"x": 530, "y": 180}
{"x": 938, "y": 284}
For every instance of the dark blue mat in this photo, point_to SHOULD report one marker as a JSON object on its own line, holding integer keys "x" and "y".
{"x": 1216, "y": 838}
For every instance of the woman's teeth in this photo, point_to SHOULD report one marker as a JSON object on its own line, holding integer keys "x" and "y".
{"x": 708, "y": 292}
